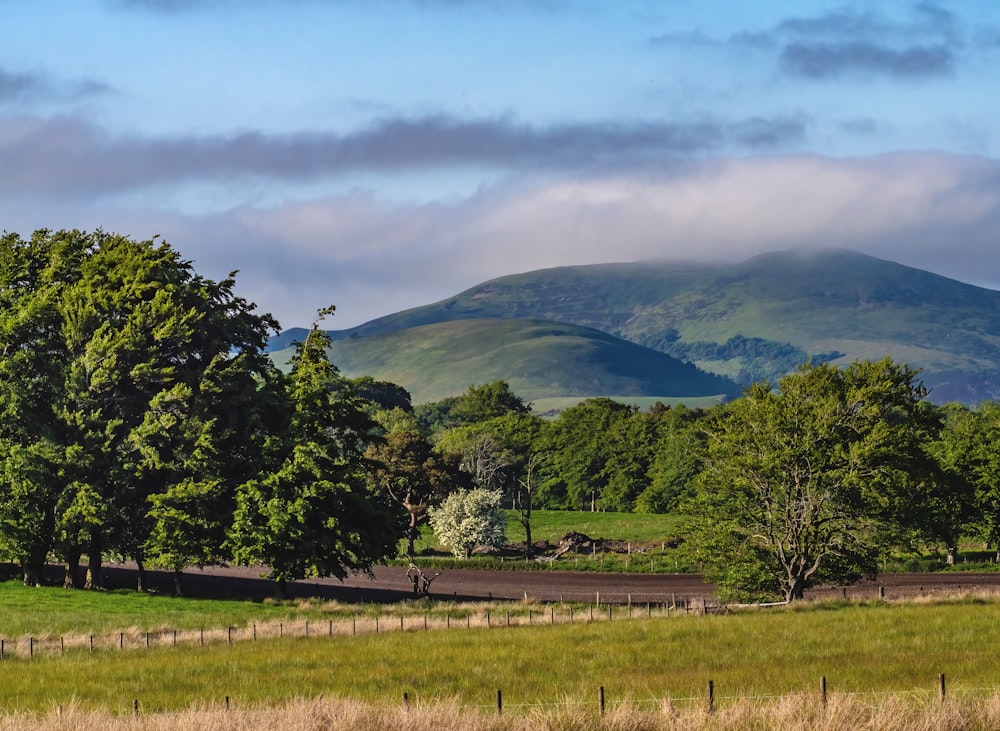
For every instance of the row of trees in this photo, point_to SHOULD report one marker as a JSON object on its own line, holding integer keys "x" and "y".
{"x": 143, "y": 419}
{"x": 813, "y": 481}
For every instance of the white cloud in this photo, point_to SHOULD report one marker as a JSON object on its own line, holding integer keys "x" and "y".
{"x": 371, "y": 258}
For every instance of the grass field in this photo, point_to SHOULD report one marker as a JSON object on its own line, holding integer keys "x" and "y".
{"x": 861, "y": 648}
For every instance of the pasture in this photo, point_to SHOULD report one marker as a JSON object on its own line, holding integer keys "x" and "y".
{"x": 876, "y": 649}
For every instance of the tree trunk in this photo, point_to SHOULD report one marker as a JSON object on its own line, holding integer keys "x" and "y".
{"x": 72, "y": 578}
{"x": 411, "y": 534}
{"x": 795, "y": 589}
{"x": 281, "y": 588}
{"x": 529, "y": 548}
{"x": 140, "y": 570}
{"x": 32, "y": 572}
{"x": 95, "y": 580}
{"x": 178, "y": 582}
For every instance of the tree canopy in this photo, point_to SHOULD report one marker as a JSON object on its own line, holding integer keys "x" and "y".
{"x": 808, "y": 483}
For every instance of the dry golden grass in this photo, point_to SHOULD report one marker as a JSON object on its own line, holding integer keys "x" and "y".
{"x": 843, "y": 713}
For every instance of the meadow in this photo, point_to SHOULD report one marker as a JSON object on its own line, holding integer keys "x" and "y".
{"x": 878, "y": 650}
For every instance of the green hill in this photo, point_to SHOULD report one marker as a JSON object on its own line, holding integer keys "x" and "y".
{"x": 538, "y": 359}
{"x": 758, "y": 319}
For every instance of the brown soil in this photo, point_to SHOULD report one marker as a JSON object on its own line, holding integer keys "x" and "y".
{"x": 390, "y": 584}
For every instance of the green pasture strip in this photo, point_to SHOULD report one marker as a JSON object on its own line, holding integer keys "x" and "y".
{"x": 857, "y": 647}
{"x": 53, "y": 611}
{"x": 551, "y": 525}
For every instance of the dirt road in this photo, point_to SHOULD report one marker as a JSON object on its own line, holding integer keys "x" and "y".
{"x": 391, "y": 584}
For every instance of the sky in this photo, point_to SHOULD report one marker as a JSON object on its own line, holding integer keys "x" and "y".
{"x": 383, "y": 154}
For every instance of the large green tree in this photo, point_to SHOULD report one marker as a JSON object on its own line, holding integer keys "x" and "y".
{"x": 575, "y": 453}
{"x": 311, "y": 512}
{"x": 112, "y": 347}
{"x": 809, "y": 482}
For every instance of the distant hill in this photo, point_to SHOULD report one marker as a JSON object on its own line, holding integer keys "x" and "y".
{"x": 758, "y": 319}
{"x": 538, "y": 359}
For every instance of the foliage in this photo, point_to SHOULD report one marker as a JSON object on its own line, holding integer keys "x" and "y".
{"x": 808, "y": 484}
{"x": 470, "y": 518}
{"x": 312, "y": 513}
{"x": 574, "y": 457}
{"x": 488, "y": 401}
{"x": 407, "y": 470}
{"x": 970, "y": 450}
{"x": 124, "y": 371}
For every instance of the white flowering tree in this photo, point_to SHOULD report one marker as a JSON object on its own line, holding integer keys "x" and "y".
{"x": 470, "y": 518}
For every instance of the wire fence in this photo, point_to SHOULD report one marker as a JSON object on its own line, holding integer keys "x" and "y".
{"x": 499, "y": 617}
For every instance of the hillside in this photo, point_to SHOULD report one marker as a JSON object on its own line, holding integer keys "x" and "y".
{"x": 538, "y": 359}
{"x": 760, "y": 318}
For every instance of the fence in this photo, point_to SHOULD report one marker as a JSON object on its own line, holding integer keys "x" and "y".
{"x": 710, "y": 702}
{"x": 512, "y": 616}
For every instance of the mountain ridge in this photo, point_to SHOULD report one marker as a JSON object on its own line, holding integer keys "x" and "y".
{"x": 756, "y": 319}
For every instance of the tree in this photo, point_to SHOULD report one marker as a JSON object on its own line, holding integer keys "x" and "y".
{"x": 678, "y": 455}
{"x": 574, "y": 468}
{"x": 312, "y": 513}
{"x": 406, "y": 469}
{"x": 806, "y": 484}
{"x": 969, "y": 450}
{"x": 102, "y": 338}
{"x": 470, "y": 518}
{"x": 487, "y": 401}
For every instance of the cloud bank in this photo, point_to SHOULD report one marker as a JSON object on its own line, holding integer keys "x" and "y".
{"x": 370, "y": 257}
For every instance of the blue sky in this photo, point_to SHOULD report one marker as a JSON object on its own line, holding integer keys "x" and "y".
{"x": 380, "y": 154}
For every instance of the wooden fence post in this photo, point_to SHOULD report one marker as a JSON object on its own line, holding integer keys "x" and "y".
{"x": 941, "y": 687}
{"x": 499, "y": 702}
{"x": 135, "y": 707}
{"x": 822, "y": 690}
{"x": 711, "y": 696}
{"x": 406, "y": 702}
{"x": 600, "y": 698}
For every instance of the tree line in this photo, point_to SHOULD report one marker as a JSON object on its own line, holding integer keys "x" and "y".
{"x": 144, "y": 420}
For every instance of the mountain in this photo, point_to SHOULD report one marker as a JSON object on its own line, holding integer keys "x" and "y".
{"x": 539, "y": 360}
{"x": 758, "y": 319}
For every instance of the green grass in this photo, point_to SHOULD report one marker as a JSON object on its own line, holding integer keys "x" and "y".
{"x": 56, "y": 611}
{"x": 858, "y": 648}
